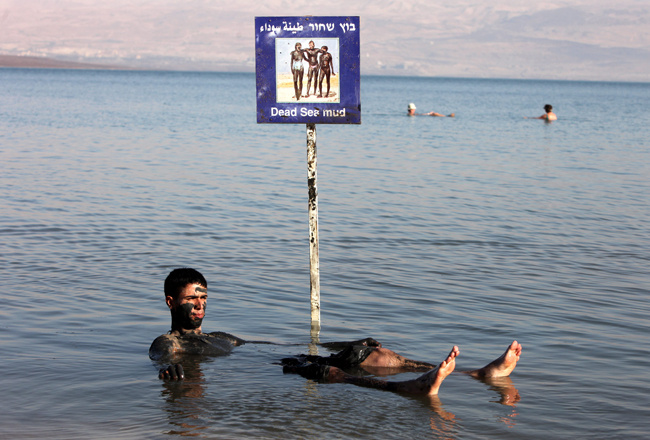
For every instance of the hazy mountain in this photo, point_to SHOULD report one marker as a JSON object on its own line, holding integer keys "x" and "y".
{"x": 589, "y": 39}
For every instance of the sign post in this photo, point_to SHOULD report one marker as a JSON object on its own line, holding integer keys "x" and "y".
{"x": 307, "y": 71}
{"x": 314, "y": 263}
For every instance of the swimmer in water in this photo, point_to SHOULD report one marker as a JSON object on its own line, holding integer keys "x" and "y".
{"x": 186, "y": 295}
{"x": 548, "y": 116}
{"x": 411, "y": 112}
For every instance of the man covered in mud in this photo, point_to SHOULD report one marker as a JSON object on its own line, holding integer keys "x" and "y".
{"x": 311, "y": 56}
{"x": 326, "y": 69}
{"x": 297, "y": 70}
{"x": 186, "y": 294}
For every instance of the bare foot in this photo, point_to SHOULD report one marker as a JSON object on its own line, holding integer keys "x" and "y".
{"x": 429, "y": 383}
{"x": 502, "y": 366}
{"x": 444, "y": 369}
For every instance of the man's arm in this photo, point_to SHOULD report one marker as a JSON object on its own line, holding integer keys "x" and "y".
{"x": 340, "y": 345}
{"x": 162, "y": 351}
{"x": 370, "y": 342}
{"x": 161, "y": 347}
{"x": 234, "y": 340}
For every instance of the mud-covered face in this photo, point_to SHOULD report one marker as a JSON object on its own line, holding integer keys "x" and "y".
{"x": 188, "y": 310}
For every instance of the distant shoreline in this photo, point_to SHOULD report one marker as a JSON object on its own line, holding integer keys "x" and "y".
{"x": 34, "y": 62}
{"x": 31, "y": 62}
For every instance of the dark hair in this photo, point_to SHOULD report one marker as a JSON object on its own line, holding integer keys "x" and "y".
{"x": 179, "y": 278}
{"x": 548, "y": 107}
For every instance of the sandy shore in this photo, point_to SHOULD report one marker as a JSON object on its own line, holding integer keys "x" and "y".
{"x": 49, "y": 63}
{"x": 285, "y": 92}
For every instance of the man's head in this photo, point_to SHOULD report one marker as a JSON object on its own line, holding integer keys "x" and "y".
{"x": 324, "y": 48}
{"x": 179, "y": 278}
{"x": 298, "y": 46}
{"x": 312, "y": 44}
{"x": 186, "y": 294}
{"x": 411, "y": 109}
{"x": 548, "y": 108}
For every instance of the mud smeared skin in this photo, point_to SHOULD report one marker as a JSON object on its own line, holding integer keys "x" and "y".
{"x": 182, "y": 316}
{"x": 171, "y": 348}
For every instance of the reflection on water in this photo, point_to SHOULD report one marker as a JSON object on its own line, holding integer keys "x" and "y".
{"x": 442, "y": 422}
{"x": 187, "y": 404}
{"x": 509, "y": 395}
{"x": 185, "y": 401}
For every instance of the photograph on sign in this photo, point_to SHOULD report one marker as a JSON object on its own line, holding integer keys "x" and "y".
{"x": 307, "y": 70}
{"x": 310, "y": 67}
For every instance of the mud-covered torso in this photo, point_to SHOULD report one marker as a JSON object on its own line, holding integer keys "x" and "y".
{"x": 172, "y": 347}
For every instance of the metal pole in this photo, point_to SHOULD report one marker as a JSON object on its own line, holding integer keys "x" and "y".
{"x": 314, "y": 271}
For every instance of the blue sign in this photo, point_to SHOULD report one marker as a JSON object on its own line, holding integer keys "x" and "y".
{"x": 307, "y": 70}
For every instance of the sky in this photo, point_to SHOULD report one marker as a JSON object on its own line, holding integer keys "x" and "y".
{"x": 599, "y": 40}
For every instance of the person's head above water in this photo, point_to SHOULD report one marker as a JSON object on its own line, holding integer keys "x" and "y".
{"x": 410, "y": 109}
{"x": 186, "y": 295}
{"x": 179, "y": 278}
{"x": 548, "y": 108}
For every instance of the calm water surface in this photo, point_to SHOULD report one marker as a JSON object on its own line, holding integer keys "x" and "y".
{"x": 472, "y": 231}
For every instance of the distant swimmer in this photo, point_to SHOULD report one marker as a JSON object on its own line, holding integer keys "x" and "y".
{"x": 411, "y": 112}
{"x": 549, "y": 115}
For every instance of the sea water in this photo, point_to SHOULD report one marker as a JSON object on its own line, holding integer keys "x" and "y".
{"x": 471, "y": 231}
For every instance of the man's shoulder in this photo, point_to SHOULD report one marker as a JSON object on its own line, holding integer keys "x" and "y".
{"x": 163, "y": 345}
{"x": 165, "y": 339}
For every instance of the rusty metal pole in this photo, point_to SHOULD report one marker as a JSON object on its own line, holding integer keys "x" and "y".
{"x": 314, "y": 270}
